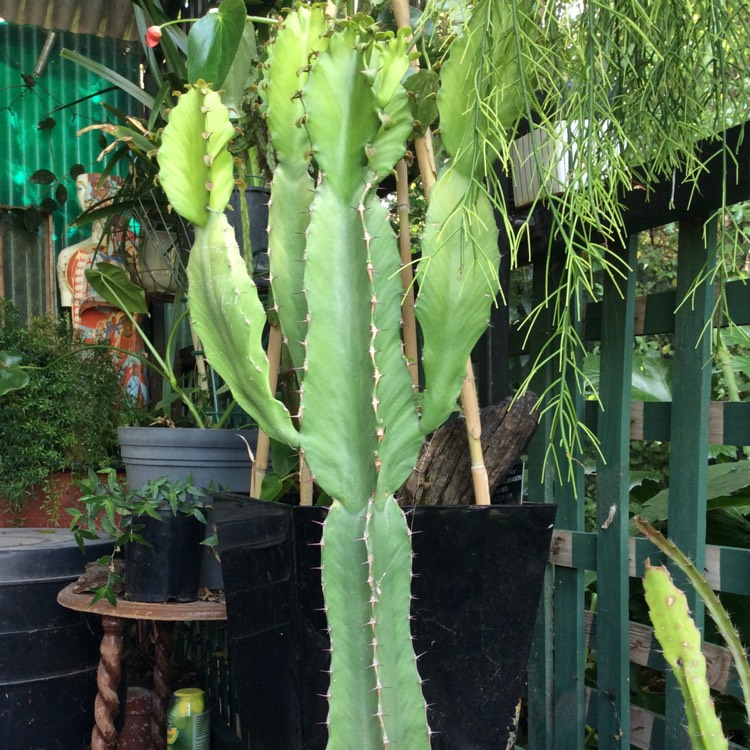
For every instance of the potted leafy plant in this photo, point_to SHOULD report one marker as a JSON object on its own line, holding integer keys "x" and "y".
{"x": 158, "y": 528}
{"x": 339, "y": 120}
{"x": 60, "y": 404}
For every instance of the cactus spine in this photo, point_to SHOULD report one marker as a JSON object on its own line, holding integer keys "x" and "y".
{"x": 680, "y": 640}
{"x": 337, "y": 111}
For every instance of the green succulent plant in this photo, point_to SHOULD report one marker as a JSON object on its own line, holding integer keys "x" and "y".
{"x": 339, "y": 120}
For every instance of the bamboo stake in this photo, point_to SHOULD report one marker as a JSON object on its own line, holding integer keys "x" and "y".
{"x": 423, "y": 144}
{"x": 470, "y": 405}
{"x": 469, "y": 400}
{"x": 260, "y": 467}
{"x": 407, "y": 273}
{"x": 305, "y": 483}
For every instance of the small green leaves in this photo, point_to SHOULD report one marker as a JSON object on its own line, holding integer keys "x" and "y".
{"x": 196, "y": 169}
{"x": 213, "y": 42}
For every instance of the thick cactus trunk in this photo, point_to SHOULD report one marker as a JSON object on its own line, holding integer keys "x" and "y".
{"x": 339, "y": 121}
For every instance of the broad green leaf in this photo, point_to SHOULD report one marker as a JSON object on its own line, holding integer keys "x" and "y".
{"x": 422, "y": 87}
{"x": 12, "y": 376}
{"x": 236, "y": 81}
{"x": 114, "y": 284}
{"x": 723, "y": 480}
{"x": 213, "y": 42}
{"x": 652, "y": 379}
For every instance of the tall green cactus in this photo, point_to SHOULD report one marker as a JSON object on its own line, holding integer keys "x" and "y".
{"x": 339, "y": 120}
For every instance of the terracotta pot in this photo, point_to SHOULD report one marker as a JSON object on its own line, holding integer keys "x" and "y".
{"x": 45, "y": 507}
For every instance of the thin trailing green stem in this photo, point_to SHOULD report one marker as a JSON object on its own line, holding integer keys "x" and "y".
{"x": 622, "y": 92}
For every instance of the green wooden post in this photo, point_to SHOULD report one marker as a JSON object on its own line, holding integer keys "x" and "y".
{"x": 612, "y": 499}
{"x": 691, "y": 393}
{"x": 569, "y": 626}
{"x": 541, "y": 490}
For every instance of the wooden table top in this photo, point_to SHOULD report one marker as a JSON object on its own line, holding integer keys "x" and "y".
{"x": 162, "y": 612}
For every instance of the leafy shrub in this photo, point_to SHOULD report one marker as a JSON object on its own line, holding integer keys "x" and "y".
{"x": 66, "y": 416}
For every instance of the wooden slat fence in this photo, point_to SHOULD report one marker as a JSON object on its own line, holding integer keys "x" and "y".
{"x": 562, "y": 710}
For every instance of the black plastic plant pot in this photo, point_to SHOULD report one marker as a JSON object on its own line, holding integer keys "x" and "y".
{"x": 48, "y": 654}
{"x": 168, "y": 567}
{"x": 478, "y": 579}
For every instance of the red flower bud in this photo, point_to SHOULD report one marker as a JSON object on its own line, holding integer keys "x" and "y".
{"x": 153, "y": 36}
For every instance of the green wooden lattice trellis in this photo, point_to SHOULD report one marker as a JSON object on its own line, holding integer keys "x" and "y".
{"x": 560, "y": 705}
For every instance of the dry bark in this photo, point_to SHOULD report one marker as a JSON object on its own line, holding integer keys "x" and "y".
{"x": 443, "y": 472}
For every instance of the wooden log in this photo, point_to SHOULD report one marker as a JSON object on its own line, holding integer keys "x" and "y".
{"x": 443, "y": 472}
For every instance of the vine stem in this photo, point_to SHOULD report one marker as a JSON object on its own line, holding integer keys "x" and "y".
{"x": 718, "y": 613}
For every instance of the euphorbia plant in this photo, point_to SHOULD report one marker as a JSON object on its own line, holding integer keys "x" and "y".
{"x": 339, "y": 121}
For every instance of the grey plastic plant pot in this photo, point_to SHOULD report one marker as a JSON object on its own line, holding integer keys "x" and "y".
{"x": 213, "y": 458}
{"x": 478, "y": 580}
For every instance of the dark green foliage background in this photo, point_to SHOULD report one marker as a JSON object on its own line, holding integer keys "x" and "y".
{"x": 68, "y": 414}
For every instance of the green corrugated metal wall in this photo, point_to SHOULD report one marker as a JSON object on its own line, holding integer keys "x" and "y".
{"x": 22, "y": 107}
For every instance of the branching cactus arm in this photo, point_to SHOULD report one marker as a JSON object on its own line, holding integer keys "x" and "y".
{"x": 224, "y": 305}
{"x": 680, "y": 640}
{"x": 301, "y": 37}
{"x": 458, "y": 273}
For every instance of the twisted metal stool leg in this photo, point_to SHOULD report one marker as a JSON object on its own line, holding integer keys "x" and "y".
{"x": 163, "y": 645}
{"x": 107, "y": 703}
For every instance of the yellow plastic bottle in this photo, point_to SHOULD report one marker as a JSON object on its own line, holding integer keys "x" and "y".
{"x": 188, "y": 722}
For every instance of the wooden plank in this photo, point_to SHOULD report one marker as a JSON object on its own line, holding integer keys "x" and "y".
{"x": 728, "y": 421}
{"x": 612, "y": 502}
{"x": 727, "y": 569}
{"x": 654, "y": 313}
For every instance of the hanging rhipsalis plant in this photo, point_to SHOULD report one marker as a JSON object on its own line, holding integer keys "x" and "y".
{"x": 339, "y": 121}
{"x": 617, "y": 96}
